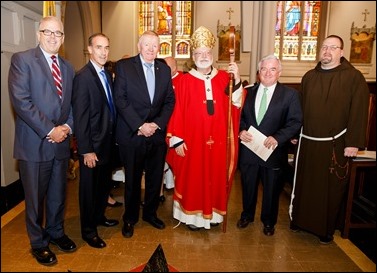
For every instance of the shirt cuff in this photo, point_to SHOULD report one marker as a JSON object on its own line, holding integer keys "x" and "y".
{"x": 175, "y": 141}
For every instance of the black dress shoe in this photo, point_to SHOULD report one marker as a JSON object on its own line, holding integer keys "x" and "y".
{"x": 294, "y": 228}
{"x": 108, "y": 222}
{"x": 268, "y": 230}
{"x": 214, "y": 224}
{"x": 44, "y": 255}
{"x": 116, "y": 204}
{"x": 155, "y": 222}
{"x": 162, "y": 198}
{"x": 243, "y": 222}
{"x": 64, "y": 243}
{"x": 128, "y": 230}
{"x": 96, "y": 242}
{"x": 325, "y": 240}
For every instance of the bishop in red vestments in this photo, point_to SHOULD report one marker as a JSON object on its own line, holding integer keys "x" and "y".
{"x": 197, "y": 136}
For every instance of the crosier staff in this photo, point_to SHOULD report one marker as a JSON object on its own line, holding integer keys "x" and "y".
{"x": 232, "y": 46}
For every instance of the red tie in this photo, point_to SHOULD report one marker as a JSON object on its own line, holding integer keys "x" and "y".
{"x": 57, "y": 76}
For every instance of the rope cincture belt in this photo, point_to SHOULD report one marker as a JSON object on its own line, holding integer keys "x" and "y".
{"x": 324, "y": 138}
{"x": 296, "y": 161}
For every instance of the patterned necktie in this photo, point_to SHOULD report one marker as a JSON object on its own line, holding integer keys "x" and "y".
{"x": 57, "y": 76}
{"x": 263, "y": 106}
{"x": 108, "y": 94}
{"x": 150, "y": 80}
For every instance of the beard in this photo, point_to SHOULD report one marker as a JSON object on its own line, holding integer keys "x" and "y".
{"x": 204, "y": 63}
{"x": 326, "y": 60}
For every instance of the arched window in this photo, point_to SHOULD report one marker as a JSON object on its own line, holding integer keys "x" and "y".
{"x": 298, "y": 29}
{"x": 172, "y": 20}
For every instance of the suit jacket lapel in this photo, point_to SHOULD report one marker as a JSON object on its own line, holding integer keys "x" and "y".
{"x": 46, "y": 69}
{"x": 253, "y": 94}
{"x": 100, "y": 87}
{"x": 276, "y": 97}
{"x": 64, "y": 72}
{"x": 157, "y": 80}
{"x": 143, "y": 81}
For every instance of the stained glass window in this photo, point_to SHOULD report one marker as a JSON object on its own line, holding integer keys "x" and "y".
{"x": 172, "y": 20}
{"x": 297, "y": 30}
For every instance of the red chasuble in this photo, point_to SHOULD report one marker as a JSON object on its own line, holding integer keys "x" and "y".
{"x": 201, "y": 176}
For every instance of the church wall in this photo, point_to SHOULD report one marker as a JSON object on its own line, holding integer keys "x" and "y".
{"x": 18, "y": 27}
{"x": 120, "y": 24}
{"x": 74, "y": 45}
{"x": 120, "y": 17}
{"x": 342, "y": 15}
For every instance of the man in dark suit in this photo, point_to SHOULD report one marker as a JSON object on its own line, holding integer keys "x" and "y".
{"x": 280, "y": 122}
{"x": 143, "y": 114}
{"x": 41, "y": 97}
{"x": 94, "y": 116}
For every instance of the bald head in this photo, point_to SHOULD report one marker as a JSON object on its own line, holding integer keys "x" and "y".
{"x": 172, "y": 63}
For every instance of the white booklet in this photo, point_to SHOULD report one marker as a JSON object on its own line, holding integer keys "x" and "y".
{"x": 256, "y": 145}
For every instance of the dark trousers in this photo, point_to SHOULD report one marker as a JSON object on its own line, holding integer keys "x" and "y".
{"x": 94, "y": 189}
{"x": 271, "y": 182}
{"x": 150, "y": 159}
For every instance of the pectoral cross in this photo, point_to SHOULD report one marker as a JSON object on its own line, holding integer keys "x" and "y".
{"x": 366, "y": 12}
{"x": 230, "y": 11}
{"x": 210, "y": 142}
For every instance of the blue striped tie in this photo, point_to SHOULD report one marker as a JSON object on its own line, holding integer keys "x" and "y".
{"x": 108, "y": 94}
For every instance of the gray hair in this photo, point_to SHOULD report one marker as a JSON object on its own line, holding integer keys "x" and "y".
{"x": 270, "y": 57}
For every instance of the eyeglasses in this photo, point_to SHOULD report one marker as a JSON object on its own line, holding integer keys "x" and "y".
{"x": 48, "y": 32}
{"x": 204, "y": 53}
{"x": 332, "y": 48}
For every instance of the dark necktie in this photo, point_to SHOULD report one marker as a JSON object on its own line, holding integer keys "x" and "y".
{"x": 150, "y": 80}
{"x": 263, "y": 106}
{"x": 57, "y": 76}
{"x": 108, "y": 94}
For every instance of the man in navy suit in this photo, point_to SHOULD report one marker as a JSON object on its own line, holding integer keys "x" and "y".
{"x": 94, "y": 117}
{"x": 141, "y": 128}
{"x": 280, "y": 123}
{"x": 43, "y": 125}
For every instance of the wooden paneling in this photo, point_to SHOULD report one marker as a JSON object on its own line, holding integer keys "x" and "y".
{"x": 371, "y": 129}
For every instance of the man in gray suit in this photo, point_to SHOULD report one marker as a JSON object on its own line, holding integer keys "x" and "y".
{"x": 40, "y": 92}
